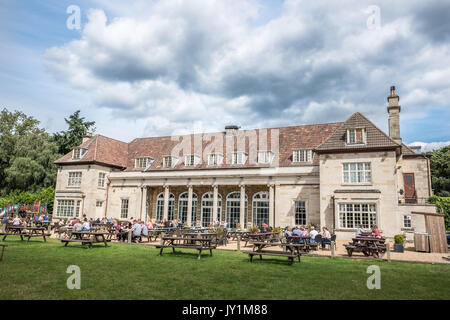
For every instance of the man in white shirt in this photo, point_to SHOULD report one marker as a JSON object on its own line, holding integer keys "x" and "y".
{"x": 86, "y": 225}
{"x": 313, "y": 233}
{"x": 136, "y": 229}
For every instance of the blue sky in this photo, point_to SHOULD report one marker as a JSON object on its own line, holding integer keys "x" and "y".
{"x": 145, "y": 68}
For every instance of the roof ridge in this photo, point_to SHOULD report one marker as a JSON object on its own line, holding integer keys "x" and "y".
{"x": 384, "y": 133}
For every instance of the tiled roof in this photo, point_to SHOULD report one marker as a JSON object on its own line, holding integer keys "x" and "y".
{"x": 375, "y": 138}
{"x": 101, "y": 150}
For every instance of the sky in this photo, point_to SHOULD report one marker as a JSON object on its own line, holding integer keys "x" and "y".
{"x": 152, "y": 68}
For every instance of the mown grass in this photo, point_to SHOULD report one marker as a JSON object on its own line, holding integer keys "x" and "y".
{"x": 37, "y": 270}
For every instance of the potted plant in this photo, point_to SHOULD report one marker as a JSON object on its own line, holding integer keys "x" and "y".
{"x": 399, "y": 239}
{"x": 253, "y": 229}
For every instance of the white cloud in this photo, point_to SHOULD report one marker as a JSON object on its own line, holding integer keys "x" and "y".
{"x": 169, "y": 64}
{"x": 430, "y": 146}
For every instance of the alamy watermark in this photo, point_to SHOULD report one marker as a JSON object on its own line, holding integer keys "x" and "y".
{"x": 74, "y": 280}
{"x": 373, "y": 22}
{"x": 73, "y": 22}
{"x": 374, "y": 281}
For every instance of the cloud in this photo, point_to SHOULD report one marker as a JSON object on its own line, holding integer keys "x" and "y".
{"x": 175, "y": 63}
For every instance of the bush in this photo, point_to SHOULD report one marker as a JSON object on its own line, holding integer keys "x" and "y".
{"x": 253, "y": 229}
{"x": 443, "y": 206}
{"x": 399, "y": 238}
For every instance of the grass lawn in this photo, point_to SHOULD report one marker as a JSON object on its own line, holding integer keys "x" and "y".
{"x": 37, "y": 270}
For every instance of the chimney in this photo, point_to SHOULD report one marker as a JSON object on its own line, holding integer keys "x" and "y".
{"x": 86, "y": 137}
{"x": 394, "y": 116}
{"x": 231, "y": 130}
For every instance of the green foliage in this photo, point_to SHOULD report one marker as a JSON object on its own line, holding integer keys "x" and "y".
{"x": 73, "y": 137}
{"x": 440, "y": 171}
{"x": 399, "y": 238}
{"x": 27, "y": 154}
{"x": 46, "y": 195}
{"x": 253, "y": 229}
{"x": 443, "y": 206}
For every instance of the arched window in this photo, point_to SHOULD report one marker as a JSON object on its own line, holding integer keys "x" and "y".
{"x": 207, "y": 208}
{"x": 183, "y": 207}
{"x": 260, "y": 208}
{"x": 160, "y": 207}
{"x": 233, "y": 205}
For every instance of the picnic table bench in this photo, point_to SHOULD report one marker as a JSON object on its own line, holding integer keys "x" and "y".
{"x": 187, "y": 242}
{"x": 369, "y": 246}
{"x": 86, "y": 237}
{"x": 25, "y": 232}
{"x": 3, "y": 250}
{"x": 258, "y": 237}
{"x": 291, "y": 251}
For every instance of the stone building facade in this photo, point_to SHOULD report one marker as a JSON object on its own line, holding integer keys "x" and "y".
{"x": 338, "y": 175}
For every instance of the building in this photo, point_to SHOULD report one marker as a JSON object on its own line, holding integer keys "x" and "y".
{"x": 338, "y": 175}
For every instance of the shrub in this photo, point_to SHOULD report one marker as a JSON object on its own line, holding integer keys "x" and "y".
{"x": 399, "y": 238}
{"x": 443, "y": 206}
{"x": 253, "y": 229}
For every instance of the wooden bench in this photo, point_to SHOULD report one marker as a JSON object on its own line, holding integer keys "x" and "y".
{"x": 199, "y": 244}
{"x": 290, "y": 255}
{"x": 3, "y": 250}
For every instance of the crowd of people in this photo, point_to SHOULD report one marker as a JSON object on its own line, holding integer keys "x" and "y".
{"x": 374, "y": 232}
{"x": 24, "y": 220}
{"x": 309, "y": 234}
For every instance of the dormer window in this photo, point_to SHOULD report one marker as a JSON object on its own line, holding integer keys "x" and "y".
{"x": 191, "y": 160}
{"x": 239, "y": 158}
{"x": 169, "y": 161}
{"x": 215, "y": 159}
{"x": 265, "y": 157}
{"x": 78, "y": 153}
{"x": 356, "y": 136}
{"x": 302, "y": 155}
{"x": 143, "y": 162}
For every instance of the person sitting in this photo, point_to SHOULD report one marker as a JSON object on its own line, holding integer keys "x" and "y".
{"x": 288, "y": 231}
{"x": 41, "y": 218}
{"x": 166, "y": 224}
{"x": 326, "y": 237}
{"x": 86, "y": 225}
{"x": 16, "y": 221}
{"x": 313, "y": 233}
{"x": 36, "y": 218}
{"x": 144, "y": 230}
{"x": 297, "y": 232}
{"x": 45, "y": 217}
{"x": 375, "y": 232}
{"x": 136, "y": 229}
{"x": 78, "y": 226}
{"x": 360, "y": 230}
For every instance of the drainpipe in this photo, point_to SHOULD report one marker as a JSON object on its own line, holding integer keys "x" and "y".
{"x": 334, "y": 213}
{"x": 107, "y": 193}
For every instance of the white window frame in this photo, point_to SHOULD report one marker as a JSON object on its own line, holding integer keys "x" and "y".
{"x": 98, "y": 204}
{"x": 78, "y": 153}
{"x": 124, "y": 210}
{"x": 266, "y": 156}
{"x": 74, "y": 179}
{"x": 101, "y": 179}
{"x": 406, "y": 219}
{"x": 361, "y": 175}
{"x": 260, "y": 209}
{"x": 173, "y": 161}
{"x": 349, "y": 135}
{"x": 236, "y": 156}
{"x": 215, "y": 159}
{"x": 300, "y": 208}
{"x": 67, "y": 208}
{"x": 143, "y": 162}
{"x": 191, "y": 160}
{"x": 302, "y": 156}
{"x": 349, "y": 216}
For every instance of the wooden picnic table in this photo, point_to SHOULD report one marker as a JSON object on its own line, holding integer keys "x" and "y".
{"x": 259, "y": 250}
{"x": 187, "y": 242}
{"x": 243, "y": 235}
{"x": 25, "y": 232}
{"x": 86, "y": 237}
{"x": 369, "y": 246}
{"x": 259, "y": 237}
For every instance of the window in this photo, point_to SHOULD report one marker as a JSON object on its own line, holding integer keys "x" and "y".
{"x": 300, "y": 213}
{"x": 407, "y": 222}
{"x": 239, "y": 158}
{"x": 207, "y": 209}
{"x": 356, "y": 136}
{"x": 191, "y": 160}
{"x": 65, "y": 209}
{"x": 74, "y": 179}
{"x": 302, "y": 156}
{"x": 124, "y": 209}
{"x": 233, "y": 209}
{"x": 101, "y": 179}
{"x": 99, "y": 204}
{"x": 160, "y": 207}
{"x": 260, "y": 208}
{"x": 215, "y": 159}
{"x": 143, "y": 162}
{"x": 183, "y": 207}
{"x": 169, "y": 161}
{"x": 78, "y": 153}
{"x": 265, "y": 157}
{"x": 352, "y": 215}
{"x": 357, "y": 173}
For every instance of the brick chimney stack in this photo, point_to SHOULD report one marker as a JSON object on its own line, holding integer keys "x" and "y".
{"x": 394, "y": 116}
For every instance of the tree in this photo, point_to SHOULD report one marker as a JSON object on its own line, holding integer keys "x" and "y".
{"x": 27, "y": 154}
{"x": 72, "y": 137}
{"x": 440, "y": 171}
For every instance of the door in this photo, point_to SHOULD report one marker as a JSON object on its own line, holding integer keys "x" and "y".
{"x": 436, "y": 228}
{"x": 409, "y": 184}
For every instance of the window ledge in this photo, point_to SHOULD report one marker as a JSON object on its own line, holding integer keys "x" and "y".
{"x": 357, "y": 184}
{"x": 407, "y": 229}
